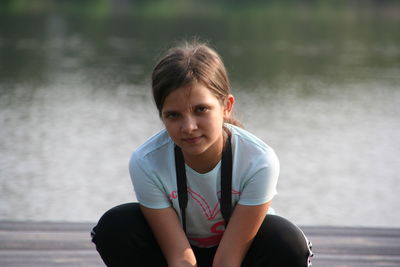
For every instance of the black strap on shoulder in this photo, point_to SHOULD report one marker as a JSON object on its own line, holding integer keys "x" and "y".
{"x": 181, "y": 182}
{"x": 226, "y": 182}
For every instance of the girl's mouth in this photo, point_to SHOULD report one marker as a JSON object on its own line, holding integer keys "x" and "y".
{"x": 192, "y": 140}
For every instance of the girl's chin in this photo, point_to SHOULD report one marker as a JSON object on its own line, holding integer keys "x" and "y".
{"x": 193, "y": 151}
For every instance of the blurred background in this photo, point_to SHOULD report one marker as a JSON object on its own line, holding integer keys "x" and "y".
{"x": 319, "y": 81}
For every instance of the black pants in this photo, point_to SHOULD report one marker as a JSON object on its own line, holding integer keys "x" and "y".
{"x": 123, "y": 238}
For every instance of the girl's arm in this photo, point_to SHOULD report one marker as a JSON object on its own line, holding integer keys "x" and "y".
{"x": 170, "y": 236}
{"x": 242, "y": 228}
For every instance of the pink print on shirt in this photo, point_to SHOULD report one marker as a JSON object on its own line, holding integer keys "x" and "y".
{"x": 210, "y": 213}
{"x": 211, "y": 240}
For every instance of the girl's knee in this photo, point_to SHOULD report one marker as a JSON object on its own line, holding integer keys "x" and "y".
{"x": 123, "y": 237}
{"x": 283, "y": 241}
{"x": 118, "y": 222}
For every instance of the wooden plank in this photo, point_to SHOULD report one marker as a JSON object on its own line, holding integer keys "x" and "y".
{"x": 50, "y": 258}
{"x": 46, "y": 226}
{"x": 68, "y": 244}
{"x": 351, "y": 246}
{"x": 47, "y": 244}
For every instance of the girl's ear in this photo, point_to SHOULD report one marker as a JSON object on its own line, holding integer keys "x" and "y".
{"x": 228, "y": 106}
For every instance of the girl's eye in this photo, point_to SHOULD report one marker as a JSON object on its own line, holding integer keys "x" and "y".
{"x": 201, "y": 109}
{"x": 171, "y": 115}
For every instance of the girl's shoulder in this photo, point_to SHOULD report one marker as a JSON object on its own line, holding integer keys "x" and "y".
{"x": 157, "y": 143}
{"x": 251, "y": 153}
{"x": 242, "y": 138}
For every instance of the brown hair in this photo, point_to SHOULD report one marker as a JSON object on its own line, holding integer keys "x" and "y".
{"x": 186, "y": 65}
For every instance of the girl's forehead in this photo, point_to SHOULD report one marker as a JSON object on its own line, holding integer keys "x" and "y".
{"x": 189, "y": 96}
{"x": 193, "y": 92}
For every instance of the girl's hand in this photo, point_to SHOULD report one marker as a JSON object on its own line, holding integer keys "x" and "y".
{"x": 238, "y": 236}
{"x": 170, "y": 236}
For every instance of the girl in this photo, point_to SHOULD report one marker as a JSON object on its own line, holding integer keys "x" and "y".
{"x": 204, "y": 184}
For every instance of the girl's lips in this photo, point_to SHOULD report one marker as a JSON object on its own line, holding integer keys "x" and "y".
{"x": 192, "y": 140}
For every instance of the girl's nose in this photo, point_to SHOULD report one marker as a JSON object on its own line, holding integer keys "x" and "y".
{"x": 189, "y": 124}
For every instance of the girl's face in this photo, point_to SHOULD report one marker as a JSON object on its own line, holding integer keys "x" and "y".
{"x": 194, "y": 117}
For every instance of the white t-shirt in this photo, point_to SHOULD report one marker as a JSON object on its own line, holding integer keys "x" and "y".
{"x": 254, "y": 177}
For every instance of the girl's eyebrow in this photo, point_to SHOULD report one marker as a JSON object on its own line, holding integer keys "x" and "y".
{"x": 169, "y": 111}
{"x": 194, "y": 108}
{"x": 202, "y": 105}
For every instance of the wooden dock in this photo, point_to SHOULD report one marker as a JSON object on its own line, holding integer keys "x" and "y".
{"x": 68, "y": 244}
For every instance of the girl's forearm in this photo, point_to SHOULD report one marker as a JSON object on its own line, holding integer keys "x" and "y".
{"x": 170, "y": 236}
{"x": 239, "y": 234}
{"x": 224, "y": 256}
{"x": 188, "y": 260}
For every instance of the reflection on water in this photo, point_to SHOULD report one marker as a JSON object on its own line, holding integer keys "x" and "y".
{"x": 322, "y": 90}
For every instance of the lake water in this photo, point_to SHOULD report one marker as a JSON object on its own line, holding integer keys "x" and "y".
{"x": 320, "y": 84}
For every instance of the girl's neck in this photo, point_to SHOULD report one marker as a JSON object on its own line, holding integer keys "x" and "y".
{"x": 206, "y": 161}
